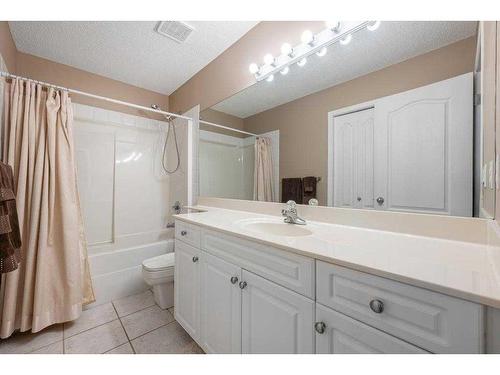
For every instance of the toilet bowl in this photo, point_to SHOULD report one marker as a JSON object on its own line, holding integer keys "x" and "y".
{"x": 158, "y": 272}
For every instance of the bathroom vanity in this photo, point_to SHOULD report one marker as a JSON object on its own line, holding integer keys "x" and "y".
{"x": 249, "y": 283}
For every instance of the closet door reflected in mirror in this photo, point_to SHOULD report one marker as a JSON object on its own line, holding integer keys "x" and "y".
{"x": 398, "y": 131}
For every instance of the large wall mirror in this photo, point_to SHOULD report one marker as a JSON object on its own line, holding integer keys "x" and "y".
{"x": 391, "y": 120}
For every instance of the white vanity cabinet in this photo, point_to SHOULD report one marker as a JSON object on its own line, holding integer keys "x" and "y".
{"x": 275, "y": 319}
{"x": 220, "y": 305}
{"x": 235, "y": 295}
{"x": 187, "y": 288}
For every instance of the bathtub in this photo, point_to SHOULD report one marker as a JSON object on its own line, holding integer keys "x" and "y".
{"x": 117, "y": 273}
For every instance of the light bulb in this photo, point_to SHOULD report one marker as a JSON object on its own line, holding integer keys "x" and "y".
{"x": 270, "y": 78}
{"x": 307, "y": 37}
{"x": 268, "y": 59}
{"x": 374, "y": 26}
{"x": 254, "y": 68}
{"x": 286, "y": 49}
{"x": 322, "y": 52}
{"x": 333, "y": 25}
{"x": 302, "y": 62}
{"x": 285, "y": 70}
{"x": 346, "y": 40}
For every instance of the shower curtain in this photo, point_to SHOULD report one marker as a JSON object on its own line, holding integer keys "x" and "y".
{"x": 263, "y": 188}
{"x": 53, "y": 280}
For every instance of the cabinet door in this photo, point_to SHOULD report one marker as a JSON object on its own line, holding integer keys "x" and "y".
{"x": 343, "y": 335}
{"x": 220, "y": 305}
{"x": 187, "y": 288}
{"x": 275, "y": 319}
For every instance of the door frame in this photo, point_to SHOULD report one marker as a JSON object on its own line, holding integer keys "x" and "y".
{"x": 331, "y": 117}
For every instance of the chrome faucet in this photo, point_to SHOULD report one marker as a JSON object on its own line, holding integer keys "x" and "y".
{"x": 290, "y": 213}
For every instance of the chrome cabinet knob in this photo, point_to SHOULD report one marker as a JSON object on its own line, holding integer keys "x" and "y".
{"x": 377, "y": 306}
{"x": 195, "y": 259}
{"x": 320, "y": 327}
{"x": 234, "y": 280}
{"x": 380, "y": 201}
{"x": 242, "y": 284}
{"x": 359, "y": 199}
{"x": 184, "y": 232}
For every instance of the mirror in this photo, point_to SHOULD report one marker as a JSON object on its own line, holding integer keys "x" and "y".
{"x": 384, "y": 122}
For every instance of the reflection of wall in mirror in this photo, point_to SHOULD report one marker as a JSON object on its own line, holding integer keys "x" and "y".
{"x": 303, "y": 123}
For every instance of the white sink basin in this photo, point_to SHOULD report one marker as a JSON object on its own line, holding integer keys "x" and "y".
{"x": 275, "y": 227}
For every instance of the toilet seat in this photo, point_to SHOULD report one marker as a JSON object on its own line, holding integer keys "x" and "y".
{"x": 159, "y": 263}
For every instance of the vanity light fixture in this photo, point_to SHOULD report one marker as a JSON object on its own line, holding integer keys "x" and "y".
{"x": 374, "y": 26}
{"x": 254, "y": 68}
{"x": 287, "y": 50}
{"x": 312, "y": 44}
{"x": 307, "y": 37}
{"x": 322, "y": 52}
{"x": 333, "y": 25}
{"x": 302, "y": 62}
{"x": 285, "y": 71}
{"x": 346, "y": 40}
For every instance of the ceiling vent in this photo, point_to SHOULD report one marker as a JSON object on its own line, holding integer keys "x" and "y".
{"x": 176, "y": 30}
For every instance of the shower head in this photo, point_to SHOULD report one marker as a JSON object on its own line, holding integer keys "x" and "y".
{"x": 155, "y": 106}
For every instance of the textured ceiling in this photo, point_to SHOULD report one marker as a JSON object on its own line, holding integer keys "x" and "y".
{"x": 369, "y": 51}
{"x": 131, "y": 52}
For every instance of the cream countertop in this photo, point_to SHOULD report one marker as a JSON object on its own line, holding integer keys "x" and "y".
{"x": 461, "y": 269}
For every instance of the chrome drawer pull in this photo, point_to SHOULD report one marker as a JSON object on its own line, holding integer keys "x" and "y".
{"x": 243, "y": 284}
{"x": 195, "y": 259}
{"x": 234, "y": 280}
{"x": 377, "y": 306}
{"x": 184, "y": 232}
{"x": 320, "y": 327}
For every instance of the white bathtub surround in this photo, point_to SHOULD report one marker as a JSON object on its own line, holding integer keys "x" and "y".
{"x": 126, "y": 196}
{"x": 462, "y": 269}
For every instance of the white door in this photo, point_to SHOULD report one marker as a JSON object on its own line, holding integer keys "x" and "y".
{"x": 423, "y": 148}
{"x": 353, "y": 159}
{"x": 187, "y": 288}
{"x": 220, "y": 306}
{"x": 338, "y": 334}
{"x": 275, "y": 320}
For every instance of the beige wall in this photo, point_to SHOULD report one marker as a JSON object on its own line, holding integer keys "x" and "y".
{"x": 64, "y": 75}
{"x": 221, "y": 118}
{"x": 303, "y": 123}
{"x": 8, "y": 49}
{"x": 228, "y": 73}
{"x": 497, "y": 113}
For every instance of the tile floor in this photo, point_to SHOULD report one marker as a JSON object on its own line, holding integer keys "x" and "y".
{"x": 131, "y": 325}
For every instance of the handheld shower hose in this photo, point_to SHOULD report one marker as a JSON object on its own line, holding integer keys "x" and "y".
{"x": 170, "y": 126}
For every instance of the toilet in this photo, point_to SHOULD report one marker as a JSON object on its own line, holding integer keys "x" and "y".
{"x": 158, "y": 272}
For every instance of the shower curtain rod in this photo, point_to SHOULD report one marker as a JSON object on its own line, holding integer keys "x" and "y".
{"x": 228, "y": 128}
{"x": 104, "y": 98}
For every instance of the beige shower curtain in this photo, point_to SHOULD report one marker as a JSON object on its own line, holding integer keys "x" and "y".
{"x": 263, "y": 187}
{"x": 53, "y": 279}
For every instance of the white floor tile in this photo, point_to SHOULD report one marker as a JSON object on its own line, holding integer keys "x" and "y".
{"x": 97, "y": 340}
{"x": 122, "y": 349}
{"x": 169, "y": 339}
{"x": 91, "y": 318}
{"x": 146, "y": 320}
{"x": 129, "y": 305}
{"x": 27, "y": 342}
{"x": 55, "y": 348}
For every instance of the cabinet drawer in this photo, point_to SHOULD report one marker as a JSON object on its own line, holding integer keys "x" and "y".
{"x": 433, "y": 321}
{"x": 292, "y": 271}
{"x": 187, "y": 233}
{"x": 344, "y": 335}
